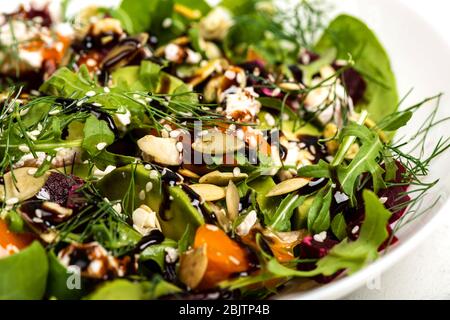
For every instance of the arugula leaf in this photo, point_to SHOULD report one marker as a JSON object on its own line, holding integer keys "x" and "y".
{"x": 352, "y": 36}
{"x": 281, "y": 220}
{"x": 339, "y": 226}
{"x": 23, "y": 275}
{"x": 319, "y": 213}
{"x": 67, "y": 84}
{"x": 157, "y": 252}
{"x": 320, "y": 170}
{"x": 365, "y": 160}
{"x": 97, "y": 136}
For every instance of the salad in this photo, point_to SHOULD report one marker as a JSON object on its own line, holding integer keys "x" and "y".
{"x": 169, "y": 149}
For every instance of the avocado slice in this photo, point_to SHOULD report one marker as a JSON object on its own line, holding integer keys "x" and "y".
{"x": 179, "y": 215}
{"x": 306, "y": 129}
{"x": 130, "y": 184}
{"x": 300, "y": 218}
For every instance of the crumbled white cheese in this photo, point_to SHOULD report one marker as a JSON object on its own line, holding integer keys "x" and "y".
{"x": 340, "y": 197}
{"x": 145, "y": 220}
{"x": 122, "y": 120}
{"x": 173, "y": 52}
{"x": 321, "y": 237}
{"x": 241, "y": 103}
{"x": 216, "y": 24}
{"x": 193, "y": 57}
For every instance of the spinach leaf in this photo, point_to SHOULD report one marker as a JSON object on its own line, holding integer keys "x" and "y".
{"x": 127, "y": 290}
{"x": 352, "y": 36}
{"x": 23, "y": 276}
{"x": 145, "y": 15}
{"x": 97, "y": 136}
{"x": 319, "y": 213}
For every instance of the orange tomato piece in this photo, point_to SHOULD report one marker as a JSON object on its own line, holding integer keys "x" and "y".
{"x": 225, "y": 256}
{"x": 9, "y": 238}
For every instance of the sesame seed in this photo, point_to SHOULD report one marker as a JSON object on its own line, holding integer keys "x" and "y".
{"x": 24, "y": 148}
{"x": 236, "y": 171}
{"x": 148, "y": 167}
{"x": 142, "y": 195}
{"x": 276, "y": 92}
{"x": 355, "y": 230}
{"x": 11, "y": 201}
{"x": 54, "y": 112}
{"x": 32, "y": 171}
{"x": 270, "y": 119}
{"x": 211, "y": 227}
{"x": 106, "y": 90}
{"x": 153, "y": 174}
{"x": 234, "y": 260}
{"x": 101, "y": 146}
{"x": 167, "y": 23}
{"x": 90, "y": 93}
{"x": 149, "y": 186}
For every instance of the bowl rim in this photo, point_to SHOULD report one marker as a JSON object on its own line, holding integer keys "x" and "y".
{"x": 349, "y": 283}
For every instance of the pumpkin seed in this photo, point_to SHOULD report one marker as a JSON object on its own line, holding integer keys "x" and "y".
{"x": 21, "y": 185}
{"x": 232, "y": 200}
{"x": 216, "y": 143}
{"x": 193, "y": 265}
{"x": 216, "y": 65}
{"x": 288, "y": 186}
{"x": 208, "y": 192}
{"x": 221, "y": 216}
{"x": 290, "y": 86}
{"x": 188, "y": 173}
{"x": 222, "y": 178}
{"x": 161, "y": 150}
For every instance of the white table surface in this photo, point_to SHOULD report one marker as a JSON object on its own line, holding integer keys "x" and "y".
{"x": 424, "y": 274}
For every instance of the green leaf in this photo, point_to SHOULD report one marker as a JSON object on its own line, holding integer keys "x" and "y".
{"x": 58, "y": 277}
{"x": 157, "y": 252}
{"x": 281, "y": 220}
{"x": 365, "y": 160}
{"x": 268, "y": 206}
{"x": 319, "y": 213}
{"x": 97, "y": 136}
{"x": 348, "y": 255}
{"x": 145, "y": 15}
{"x": 352, "y": 36}
{"x": 395, "y": 121}
{"x": 239, "y": 7}
{"x": 67, "y": 84}
{"x": 187, "y": 239}
{"x": 23, "y": 275}
{"x": 127, "y": 290}
{"x": 339, "y": 227}
{"x": 320, "y": 170}
{"x": 310, "y": 70}
{"x": 353, "y": 256}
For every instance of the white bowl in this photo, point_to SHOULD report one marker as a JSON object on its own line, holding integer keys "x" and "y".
{"x": 420, "y": 59}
